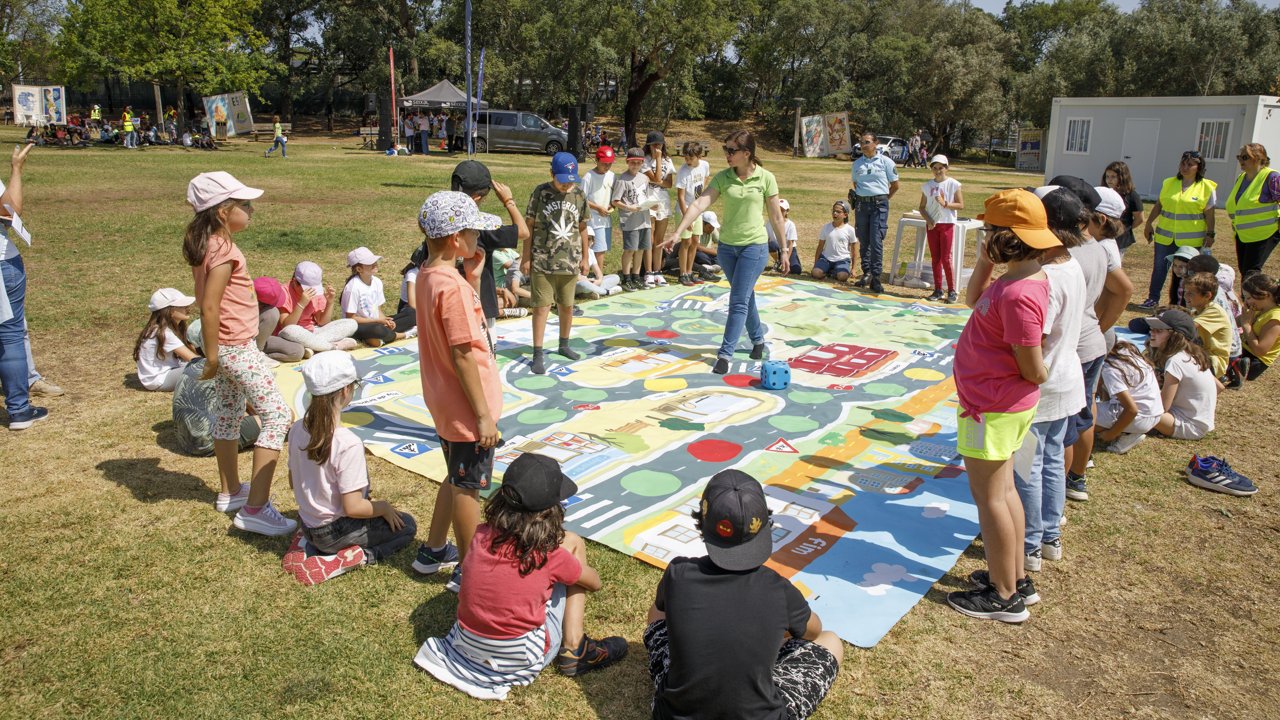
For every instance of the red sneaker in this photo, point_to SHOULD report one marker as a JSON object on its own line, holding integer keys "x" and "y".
{"x": 315, "y": 569}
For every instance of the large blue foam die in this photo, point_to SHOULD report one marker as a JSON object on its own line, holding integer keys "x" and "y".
{"x": 775, "y": 375}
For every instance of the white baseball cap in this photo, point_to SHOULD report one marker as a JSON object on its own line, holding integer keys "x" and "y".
{"x": 939, "y": 158}
{"x": 211, "y": 189}
{"x": 362, "y": 256}
{"x": 169, "y": 297}
{"x": 328, "y": 371}
{"x": 782, "y": 203}
{"x": 309, "y": 276}
{"x": 709, "y": 217}
{"x": 1111, "y": 205}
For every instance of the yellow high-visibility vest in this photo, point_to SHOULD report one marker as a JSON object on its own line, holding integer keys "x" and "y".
{"x": 1254, "y": 221}
{"x": 1181, "y": 220}
{"x": 127, "y": 119}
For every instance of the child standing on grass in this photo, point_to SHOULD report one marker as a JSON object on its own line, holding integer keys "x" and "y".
{"x": 1260, "y": 324}
{"x": 940, "y": 198}
{"x": 597, "y": 185}
{"x": 728, "y": 637}
{"x": 229, "y": 317}
{"x": 330, "y": 479}
{"x": 459, "y": 373}
{"x": 524, "y": 603}
{"x": 556, "y": 253}
{"x": 998, "y": 372}
{"x": 631, "y": 189}
{"x": 363, "y": 298}
{"x": 162, "y": 349}
{"x": 661, "y": 173}
{"x": 1130, "y": 404}
{"x": 690, "y": 181}
{"x": 836, "y": 243}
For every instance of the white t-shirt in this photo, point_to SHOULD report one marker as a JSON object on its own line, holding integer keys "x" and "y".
{"x": 836, "y": 241}
{"x": 410, "y": 276}
{"x": 1196, "y": 401}
{"x": 1062, "y": 393}
{"x": 692, "y": 179}
{"x": 1141, "y": 386}
{"x": 318, "y": 488}
{"x": 1093, "y": 261}
{"x": 947, "y": 190}
{"x": 363, "y": 300}
{"x": 599, "y": 190}
{"x": 787, "y": 226}
{"x": 151, "y": 370}
{"x": 1112, "y": 250}
{"x": 656, "y": 192}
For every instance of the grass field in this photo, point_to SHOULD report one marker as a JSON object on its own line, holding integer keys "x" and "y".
{"x": 124, "y": 594}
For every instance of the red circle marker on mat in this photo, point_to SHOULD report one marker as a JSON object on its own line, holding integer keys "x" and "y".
{"x": 741, "y": 380}
{"x": 662, "y": 334}
{"x": 586, "y": 406}
{"x": 714, "y": 450}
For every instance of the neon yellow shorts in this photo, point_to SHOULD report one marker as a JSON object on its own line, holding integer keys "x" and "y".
{"x": 997, "y": 437}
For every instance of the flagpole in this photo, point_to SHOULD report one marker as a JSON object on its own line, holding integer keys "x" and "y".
{"x": 467, "y": 41}
{"x": 480, "y": 95}
{"x": 395, "y": 113}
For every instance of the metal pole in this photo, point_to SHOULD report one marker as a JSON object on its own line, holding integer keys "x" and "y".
{"x": 395, "y": 111}
{"x": 795, "y": 140}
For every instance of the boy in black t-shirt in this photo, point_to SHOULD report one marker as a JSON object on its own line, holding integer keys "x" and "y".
{"x": 727, "y": 637}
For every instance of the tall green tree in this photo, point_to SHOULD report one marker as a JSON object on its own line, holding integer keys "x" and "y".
{"x": 210, "y": 46}
{"x": 27, "y": 30}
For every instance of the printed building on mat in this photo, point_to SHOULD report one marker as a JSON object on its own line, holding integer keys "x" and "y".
{"x": 1150, "y": 134}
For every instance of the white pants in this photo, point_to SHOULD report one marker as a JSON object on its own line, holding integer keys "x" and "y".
{"x": 607, "y": 283}
{"x": 323, "y": 337}
{"x": 1108, "y": 412}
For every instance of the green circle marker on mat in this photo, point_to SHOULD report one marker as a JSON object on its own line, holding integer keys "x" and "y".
{"x": 621, "y": 342}
{"x": 650, "y": 483}
{"x": 809, "y": 397}
{"x": 793, "y": 423}
{"x": 885, "y": 389}
{"x": 586, "y": 395}
{"x": 604, "y": 330}
{"x": 686, "y": 314}
{"x": 358, "y": 418}
{"x": 541, "y": 417}
{"x": 535, "y": 382}
{"x": 395, "y": 360}
{"x": 648, "y": 322}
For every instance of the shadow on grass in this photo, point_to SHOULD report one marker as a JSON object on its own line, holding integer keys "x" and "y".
{"x": 151, "y": 483}
{"x": 131, "y": 382}
{"x": 435, "y": 617}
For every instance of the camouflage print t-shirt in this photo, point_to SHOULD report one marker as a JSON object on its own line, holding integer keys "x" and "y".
{"x": 557, "y": 242}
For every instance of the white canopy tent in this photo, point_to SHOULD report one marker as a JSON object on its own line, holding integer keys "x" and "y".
{"x": 443, "y": 94}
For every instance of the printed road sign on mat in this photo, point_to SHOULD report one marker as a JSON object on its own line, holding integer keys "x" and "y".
{"x": 870, "y": 502}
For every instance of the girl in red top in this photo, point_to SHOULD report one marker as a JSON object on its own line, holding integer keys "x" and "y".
{"x": 524, "y": 599}
{"x": 229, "y": 328}
{"x": 998, "y": 370}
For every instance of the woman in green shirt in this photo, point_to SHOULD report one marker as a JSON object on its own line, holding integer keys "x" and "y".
{"x": 743, "y": 249}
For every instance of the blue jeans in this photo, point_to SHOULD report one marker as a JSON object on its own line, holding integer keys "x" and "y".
{"x": 1159, "y": 269}
{"x": 278, "y": 143}
{"x": 742, "y": 265}
{"x": 13, "y": 333}
{"x": 424, "y": 139}
{"x": 871, "y": 220}
{"x": 373, "y": 534}
{"x": 1044, "y": 490}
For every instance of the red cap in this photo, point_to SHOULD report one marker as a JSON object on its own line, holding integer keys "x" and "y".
{"x": 604, "y": 154}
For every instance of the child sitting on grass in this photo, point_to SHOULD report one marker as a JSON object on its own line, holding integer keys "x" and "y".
{"x": 1260, "y": 324}
{"x": 306, "y": 317}
{"x": 728, "y": 637}
{"x": 1215, "y": 327}
{"x": 1188, "y": 390}
{"x": 1130, "y": 402}
{"x": 786, "y": 256}
{"x": 363, "y": 298}
{"x": 524, "y": 602}
{"x": 162, "y": 349}
{"x": 330, "y": 480}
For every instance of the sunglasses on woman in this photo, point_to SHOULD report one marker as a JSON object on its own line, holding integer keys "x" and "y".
{"x": 1191, "y": 155}
{"x": 730, "y": 150}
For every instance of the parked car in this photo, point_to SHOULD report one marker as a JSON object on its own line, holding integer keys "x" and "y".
{"x": 518, "y": 130}
{"x": 894, "y": 147}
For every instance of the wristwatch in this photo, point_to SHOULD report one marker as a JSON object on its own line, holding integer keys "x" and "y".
{"x": 1212, "y": 234}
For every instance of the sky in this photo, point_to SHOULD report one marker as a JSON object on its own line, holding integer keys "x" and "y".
{"x": 995, "y": 7}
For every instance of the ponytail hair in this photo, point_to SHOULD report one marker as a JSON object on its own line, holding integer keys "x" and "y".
{"x": 195, "y": 243}
{"x": 745, "y": 140}
{"x": 160, "y": 321}
{"x": 1260, "y": 284}
{"x": 321, "y": 420}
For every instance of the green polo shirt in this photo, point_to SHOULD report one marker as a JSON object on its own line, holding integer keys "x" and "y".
{"x": 742, "y": 222}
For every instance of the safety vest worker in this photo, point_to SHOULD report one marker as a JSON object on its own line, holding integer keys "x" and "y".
{"x": 1253, "y": 219}
{"x": 1181, "y": 219}
{"x": 96, "y": 113}
{"x": 127, "y": 120}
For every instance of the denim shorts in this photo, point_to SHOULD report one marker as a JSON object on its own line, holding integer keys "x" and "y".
{"x": 831, "y": 268}
{"x": 603, "y": 238}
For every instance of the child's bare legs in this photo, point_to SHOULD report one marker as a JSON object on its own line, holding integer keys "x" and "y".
{"x": 600, "y": 261}
{"x": 264, "y": 469}
{"x": 456, "y": 507}
{"x": 540, "y": 324}
{"x": 1000, "y": 518}
{"x": 688, "y": 251}
{"x": 565, "y": 311}
{"x": 1165, "y": 425}
{"x": 653, "y": 258}
{"x": 575, "y": 599}
{"x": 628, "y": 262}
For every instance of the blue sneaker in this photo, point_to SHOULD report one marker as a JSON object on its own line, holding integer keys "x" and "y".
{"x": 455, "y": 581}
{"x": 1215, "y": 474}
{"x": 1076, "y": 487}
{"x": 36, "y": 415}
{"x": 429, "y": 562}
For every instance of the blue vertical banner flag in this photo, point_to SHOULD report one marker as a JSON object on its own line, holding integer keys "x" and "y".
{"x": 479, "y": 94}
{"x": 467, "y": 42}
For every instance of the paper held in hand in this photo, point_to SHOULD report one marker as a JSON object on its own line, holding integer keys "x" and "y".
{"x": 11, "y": 220}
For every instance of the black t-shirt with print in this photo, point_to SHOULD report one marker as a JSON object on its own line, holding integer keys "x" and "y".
{"x": 725, "y": 630}
{"x": 507, "y": 236}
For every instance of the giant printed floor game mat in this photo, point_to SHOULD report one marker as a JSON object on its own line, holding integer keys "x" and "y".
{"x": 858, "y": 456}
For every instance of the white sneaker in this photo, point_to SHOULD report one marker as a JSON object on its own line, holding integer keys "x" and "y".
{"x": 615, "y": 291}
{"x": 1126, "y": 442}
{"x": 1052, "y": 550}
{"x": 1033, "y": 561}
{"x": 649, "y": 280}
{"x": 659, "y": 280}
{"x": 411, "y": 332}
{"x": 713, "y": 268}
{"x": 267, "y": 521}
{"x": 231, "y": 503}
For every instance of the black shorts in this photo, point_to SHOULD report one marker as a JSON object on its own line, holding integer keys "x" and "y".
{"x": 804, "y": 671}
{"x": 468, "y": 465}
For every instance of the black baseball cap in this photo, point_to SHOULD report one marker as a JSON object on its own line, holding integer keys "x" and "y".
{"x": 735, "y": 521}
{"x": 536, "y": 482}
{"x": 654, "y": 138}
{"x": 1081, "y": 188}
{"x": 471, "y": 176}
{"x": 1172, "y": 319}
